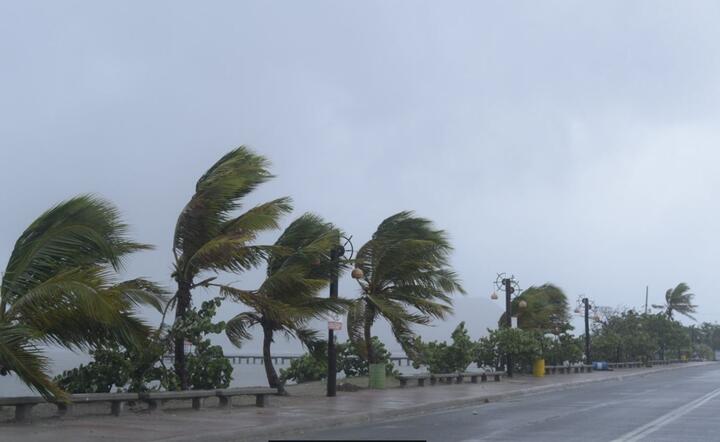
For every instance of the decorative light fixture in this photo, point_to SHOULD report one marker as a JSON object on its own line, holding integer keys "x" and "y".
{"x": 494, "y": 296}
{"x": 522, "y": 303}
{"x": 357, "y": 273}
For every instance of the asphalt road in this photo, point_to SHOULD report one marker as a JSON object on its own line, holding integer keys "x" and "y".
{"x": 678, "y": 405}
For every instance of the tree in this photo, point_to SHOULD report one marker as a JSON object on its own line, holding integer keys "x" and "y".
{"x": 546, "y": 310}
{"x": 669, "y": 336}
{"x": 60, "y": 287}
{"x": 210, "y": 236}
{"x": 561, "y": 347}
{"x": 623, "y": 336}
{"x": 406, "y": 281}
{"x": 709, "y": 334}
{"x": 679, "y": 300}
{"x": 287, "y": 300}
{"x": 523, "y": 345}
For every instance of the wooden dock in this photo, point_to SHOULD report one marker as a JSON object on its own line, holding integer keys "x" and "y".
{"x": 282, "y": 359}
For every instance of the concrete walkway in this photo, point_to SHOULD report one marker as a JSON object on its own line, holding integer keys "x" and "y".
{"x": 288, "y": 415}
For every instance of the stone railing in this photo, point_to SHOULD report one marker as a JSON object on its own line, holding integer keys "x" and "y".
{"x": 154, "y": 399}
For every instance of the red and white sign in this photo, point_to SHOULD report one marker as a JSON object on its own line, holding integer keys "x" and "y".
{"x": 334, "y": 325}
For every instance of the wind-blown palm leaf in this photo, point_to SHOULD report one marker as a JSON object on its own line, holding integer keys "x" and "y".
{"x": 60, "y": 288}
{"x": 407, "y": 280}
{"x": 237, "y": 328}
{"x": 356, "y": 319}
{"x": 217, "y": 194}
{"x": 546, "y": 310}
{"x": 141, "y": 292}
{"x": 79, "y": 232}
{"x": 19, "y": 355}
{"x": 309, "y": 338}
{"x": 679, "y": 300}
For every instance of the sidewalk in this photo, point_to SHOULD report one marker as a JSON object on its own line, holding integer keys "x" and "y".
{"x": 289, "y": 415}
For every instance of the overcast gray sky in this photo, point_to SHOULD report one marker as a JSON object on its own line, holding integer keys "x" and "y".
{"x": 566, "y": 142}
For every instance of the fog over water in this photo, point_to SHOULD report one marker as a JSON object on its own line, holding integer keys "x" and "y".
{"x": 563, "y": 142}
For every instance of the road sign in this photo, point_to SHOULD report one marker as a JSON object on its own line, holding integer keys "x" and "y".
{"x": 334, "y": 325}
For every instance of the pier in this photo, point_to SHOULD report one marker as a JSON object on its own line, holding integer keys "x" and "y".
{"x": 282, "y": 359}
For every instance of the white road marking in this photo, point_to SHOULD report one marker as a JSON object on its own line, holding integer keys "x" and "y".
{"x": 665, "y": 419}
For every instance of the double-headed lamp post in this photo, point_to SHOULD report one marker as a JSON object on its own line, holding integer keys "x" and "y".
{"x": 510, "y": 286}
{"x": 337, "y": 253}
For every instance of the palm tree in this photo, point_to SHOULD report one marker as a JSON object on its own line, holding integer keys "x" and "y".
{"x": 210, "y": 237}
{"x": 546, "y": 309}
{"x": 405, "y": 280}
{"x": 287, "y": 300}
{"x": 60, "y": 287}
{"x": 679, "y": 300}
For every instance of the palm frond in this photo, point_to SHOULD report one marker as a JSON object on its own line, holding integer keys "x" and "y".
{"x": 20, "y": 356}
{"x": 309, "y": 338}
{"x": 217, "y": 194}
{"x": 79, "y": 232}
{"x": 141, "y": 292}
{"x": 356, "y": 317}
{"x": 237, "y": 328}
{"x": 407, "y": 279}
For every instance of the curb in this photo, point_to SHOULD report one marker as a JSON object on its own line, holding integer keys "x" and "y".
{"x": 325, "y": 423}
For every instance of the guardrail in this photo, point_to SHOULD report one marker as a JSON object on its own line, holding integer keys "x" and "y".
{"x": 581, "y": 368}
{"x": 155, "y": 400}
{"x": 449, "y": 378}
{"x": 567, "y": 369}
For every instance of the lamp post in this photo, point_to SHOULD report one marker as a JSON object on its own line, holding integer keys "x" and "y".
{"x": 588, "y": 359}
{"x": 587, "y": 306}
{"x": 336, "y": 254}
{"x": 510, "y": 286}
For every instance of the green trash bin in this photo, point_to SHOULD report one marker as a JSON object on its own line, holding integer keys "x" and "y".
{"x": 377, "y": 376}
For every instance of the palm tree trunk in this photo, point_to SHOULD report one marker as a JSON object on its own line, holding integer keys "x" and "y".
{"x": 183, "y": 303}
{"x": 272, "y": 377}
{"x": 368, "y": 341}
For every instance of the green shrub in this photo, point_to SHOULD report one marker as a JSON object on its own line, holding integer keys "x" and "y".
{"x": 136, "y": 369}
{"x": 704, "y": 351}
{"x": 350, "y": 362}
{"x": 208, "y": 368}
{"x": 560, "y": 348}
{"x": 142, "y": 368}
{"x": 524, "y": 347}
{"x": 312, "y": 366}
{"x": 443, "y": 358}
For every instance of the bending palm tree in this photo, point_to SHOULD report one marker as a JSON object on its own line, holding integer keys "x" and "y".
{"x": 546, "y": 311}
{"x": 678, "y": 300}
{"x": 59, "y": 288}
{"x": 406, "y": 280}
{"x": 287, "y": 300}
{"x": 209, "y": 238}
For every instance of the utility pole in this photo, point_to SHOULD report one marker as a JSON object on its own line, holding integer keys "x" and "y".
{"x": 586, "y": 301}
{"x": 508, "y": 318}
{"x": 332, "y": 357}
{"x": 647, "y": 288}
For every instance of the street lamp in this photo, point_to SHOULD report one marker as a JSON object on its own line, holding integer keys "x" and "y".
{"x": 510, "y": 285}
{"x": 336, "y": 254}
{"x": 587, "y": 305}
